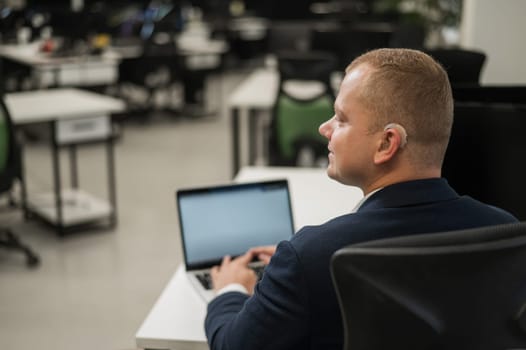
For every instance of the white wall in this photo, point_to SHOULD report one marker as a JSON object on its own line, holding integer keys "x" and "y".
{"x": 499, "y": 29}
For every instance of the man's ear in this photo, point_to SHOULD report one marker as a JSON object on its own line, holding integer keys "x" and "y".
{"x": 391, "y": 141}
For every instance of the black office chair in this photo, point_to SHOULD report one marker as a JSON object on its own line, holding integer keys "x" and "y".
{"x": 195, "y": 68}
{"x": 11, "y": 171}
{"x": 463, "y": 66}
{"x": 286, "y": 36}
{"x": 247, "y": 37}
{"x": 408, "y": 35}
{"x": 304, "y": 100}
{"x": 462, "y": 289}
{"x": 154, "y": 71}
{"x": 348, "y": 43}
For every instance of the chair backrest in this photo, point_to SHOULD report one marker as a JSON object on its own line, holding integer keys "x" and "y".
{"x": 462, "y": 289}
{"x": 348, "y": 43}
{"x": 409, "y": 35}
{"x": 306, "y": 66}
{"x": 304, "y": 101}
{"x": 297, "y": 123}
{"x": 462, "y": 66}
{"x": 286, "y": 36}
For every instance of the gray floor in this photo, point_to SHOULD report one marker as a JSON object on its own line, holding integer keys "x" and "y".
{"x": 93, "y": 289}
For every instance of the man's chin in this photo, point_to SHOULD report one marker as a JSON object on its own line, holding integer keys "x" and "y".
{"x": 331, "y": 173}
{"x": 335, "y": 175}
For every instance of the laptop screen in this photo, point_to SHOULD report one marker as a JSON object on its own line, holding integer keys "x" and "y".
{"x": 228, "y": 220}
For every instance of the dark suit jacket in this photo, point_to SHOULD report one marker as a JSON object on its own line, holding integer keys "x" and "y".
{"x": 294, "y": 306}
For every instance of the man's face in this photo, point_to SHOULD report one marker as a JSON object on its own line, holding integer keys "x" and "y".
{"x": 351, "y": 144}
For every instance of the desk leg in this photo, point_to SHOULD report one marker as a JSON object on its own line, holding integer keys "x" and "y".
{"x": 111, "y": 181}
{"x": 252, "y": 144}
{"x": 56, "y": 178}
{"x": 73, "y": 166}
{"x": 23, "y": 188}
{"x": 235, "y": 140}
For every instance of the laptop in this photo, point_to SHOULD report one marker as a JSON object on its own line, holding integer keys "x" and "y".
{"x": 229, "y": 220}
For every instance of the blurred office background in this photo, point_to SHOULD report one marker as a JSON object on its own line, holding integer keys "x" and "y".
{"x": 175, "y": 65}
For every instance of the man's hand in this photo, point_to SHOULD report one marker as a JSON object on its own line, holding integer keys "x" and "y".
{"x": 263, "y": 253}
{"x": 235, "y": 271}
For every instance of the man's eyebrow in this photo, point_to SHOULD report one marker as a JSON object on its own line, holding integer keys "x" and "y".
{"x": 338, "y": 111}
{"x": 335, "y": 107}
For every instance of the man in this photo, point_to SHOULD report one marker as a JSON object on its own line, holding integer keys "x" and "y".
{"x": 391, "y": 125}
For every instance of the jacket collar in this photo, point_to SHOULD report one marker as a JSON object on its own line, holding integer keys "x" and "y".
{"x": 410, "y": 193}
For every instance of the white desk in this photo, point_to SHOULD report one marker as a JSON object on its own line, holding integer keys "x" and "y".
{"x": 176, "y": 321}
{"x": 87, "y": 70}
{"x": 59, "y": 104}
{"x": 74, "y": 117}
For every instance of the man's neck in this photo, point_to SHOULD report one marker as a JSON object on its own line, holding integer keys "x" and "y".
{"x": 400, "y": 176}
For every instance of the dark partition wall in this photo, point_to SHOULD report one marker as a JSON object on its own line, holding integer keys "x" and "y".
{"x": 486, "y": 157}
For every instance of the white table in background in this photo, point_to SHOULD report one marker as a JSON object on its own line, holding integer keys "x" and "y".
{"x": 176, "y": 320}
{"x": 75, "y": 70}
{"x": 74, "y": 117}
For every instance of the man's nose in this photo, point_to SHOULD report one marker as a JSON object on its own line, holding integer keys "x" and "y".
{"x": 325, "y": 129}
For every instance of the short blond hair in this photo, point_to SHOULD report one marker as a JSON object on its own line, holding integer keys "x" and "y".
{"x": 410, "y": 88}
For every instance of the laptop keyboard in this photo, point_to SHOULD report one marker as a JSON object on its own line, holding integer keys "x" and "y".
{"x": 206, "y": 279}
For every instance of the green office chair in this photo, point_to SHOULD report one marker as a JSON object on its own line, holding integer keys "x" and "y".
{"x": 297, "y": 122}
{"x": 305, "y": 100}
{"x": 11, "y": 171}
{"x": 462, "y": 289}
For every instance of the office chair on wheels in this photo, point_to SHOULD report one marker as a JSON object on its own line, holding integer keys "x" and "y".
{"x": 462, "y": 289}
{"x": 304, "y": 100}
{"x": 10, "y": 171}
